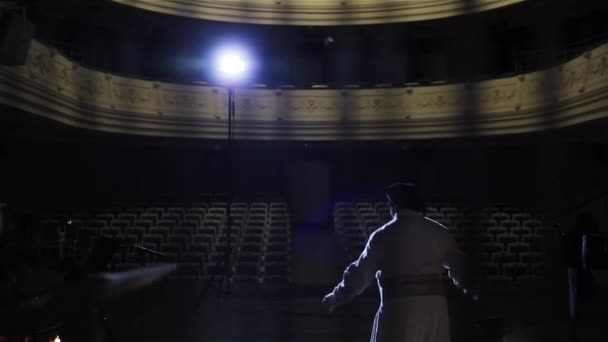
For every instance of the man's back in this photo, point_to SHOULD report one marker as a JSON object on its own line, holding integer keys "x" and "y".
{"x": 412, "y": 245}
{"x": 406, "y": 256}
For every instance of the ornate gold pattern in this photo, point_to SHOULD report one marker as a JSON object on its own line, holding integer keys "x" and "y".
{"x": 52, "y": 86}
{"x": 317, "y": 12}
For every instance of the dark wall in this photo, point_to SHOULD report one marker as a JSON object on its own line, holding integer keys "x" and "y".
{"x": 545, "y": 175}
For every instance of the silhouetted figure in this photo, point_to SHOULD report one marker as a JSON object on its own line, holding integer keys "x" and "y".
{"x": 406, "y": 256}
{"x": 581, "y": 282}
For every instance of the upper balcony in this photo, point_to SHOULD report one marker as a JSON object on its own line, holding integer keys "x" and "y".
{"x": 52, "y": 86}
{"x": 318, "y": 12}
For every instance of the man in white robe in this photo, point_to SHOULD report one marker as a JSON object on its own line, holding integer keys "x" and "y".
{"x": 406, "y": 256}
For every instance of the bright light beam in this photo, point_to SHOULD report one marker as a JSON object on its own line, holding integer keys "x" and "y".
{"x": 231, "y": 64}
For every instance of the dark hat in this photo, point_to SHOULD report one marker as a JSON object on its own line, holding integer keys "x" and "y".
{"x": 405, "y": 195}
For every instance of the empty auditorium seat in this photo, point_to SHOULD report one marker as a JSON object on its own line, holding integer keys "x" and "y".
{"x": 176, "y": 211}
{"x": 247, "y": 269}
{"x": 277, "y": 248}
{"x": 278, "y": 205}
{"x": 223, "y": 239}
{"x": 273, "y": 269}
{"x": 492, "y": 247}
{"x": 521, "y": 217}
{"x": 150, "y": 217}
{"x": 154, "y": 239}
{"x": 130, "y": 239}
{"x": 193, "y": 218}
{"x": 255, "y": 248}
{"x": 216, "y": 213}
{"x": 253, "y": 239}
{"x": 214, "y": 270}
{"x": 279, "y": 218}
{"x": 120, "y": 224}
{"x": 278, "y": 227}
{"x": 500, "y": 217}
{"x": 487, "y": 223}
{"x": 364, "y": 206}
{"x": 368, "y": 217}
{"x": 217, "y": 257}
{"x": 256, "y": 225}
{"x": 136, "y": 231}
{"x": 353, "y": 231}
{"x": 171, "y": 250}
{"x": 193, "y": 257}
{"x": 384, "y": 215}
{"x": 507, "y": 239}
{"x": 518, "y": 248}
{"x": 254, "y": 230}
{"x": 190, "y": 221}
{"x": 185, "y": 231}
{"x": 172, "y": 218}
{"x": 156, "y": 211}
{"x": 163, "y": 231}
{"x": 213, "y": 217}
{"x": 447, "y": 210}
{"x": 521, "y": 231}
{"x": 535, "y": 243}
{"x": 536, "y": 226}
{"x": 510, "y": 224}
{"x": 497, "y": 231}
{"x": 89, "y": 231}
{"x": 208, "y": 230}
{"x": 166, "y": 224}
{"x": 136, "y": 211}
{"x": 249, "y": 257}
{"x": 180, "y": 240}
{"x": 94, "y": 224}
{"x": 106, "y": 217}
{"x": 110, "y": 231}
{"x": 282, "y": 258}
{"x": 428, "y": 209}
{"x": 515, "y": 270}
{"x": 278, "y": 239}
{"x": 531, "y": 258}
{"x": 223, "y": 248}
{"x": 202, "y": 247}
{"x": 258, "y": 205}
{"x": 455, "y": 216}
{"x": 197, "y": 211}
{"x": 503, "y": 257}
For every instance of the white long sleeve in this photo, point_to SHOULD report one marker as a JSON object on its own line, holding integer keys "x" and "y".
{"x": 359, "y": 274}
{"x": 456, "y": 264}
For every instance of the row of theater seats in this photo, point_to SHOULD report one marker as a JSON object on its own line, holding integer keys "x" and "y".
{"x": 509, "y": 241}
{"x": 195, "y": 236}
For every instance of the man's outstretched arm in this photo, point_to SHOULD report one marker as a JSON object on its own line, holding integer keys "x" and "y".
{"x": 459, "y": 270}
{"x": 357, "y": 276}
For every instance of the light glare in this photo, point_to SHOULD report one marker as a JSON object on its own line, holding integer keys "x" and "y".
{"x": 231, "y": 64}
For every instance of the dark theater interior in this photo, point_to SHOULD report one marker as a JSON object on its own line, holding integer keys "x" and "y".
{"x": 304, "y": 170}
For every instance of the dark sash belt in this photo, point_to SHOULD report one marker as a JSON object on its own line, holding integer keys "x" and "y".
{"x": 412, "y": 285}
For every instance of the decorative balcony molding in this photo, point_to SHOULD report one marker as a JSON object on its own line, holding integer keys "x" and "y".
{"x": 317, "y": 12}
{"x": 52, "y": 86}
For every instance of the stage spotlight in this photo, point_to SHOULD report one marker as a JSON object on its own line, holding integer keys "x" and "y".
{"x": 232, "y": 64}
